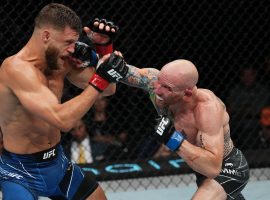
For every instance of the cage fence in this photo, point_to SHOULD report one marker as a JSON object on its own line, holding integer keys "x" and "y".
{"x": 227, "y": 40}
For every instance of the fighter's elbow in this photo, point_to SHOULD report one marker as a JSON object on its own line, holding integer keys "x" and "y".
{"x": 58, "y": 118}
{"x": 65, "y": 129}
{"x": 63, "y": 126}
{"x": 213, "y": 174}
{"x": 214, "y": 171}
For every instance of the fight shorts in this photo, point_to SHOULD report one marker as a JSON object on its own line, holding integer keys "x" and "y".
{"x": 234, "y": 174}
{"x": 48, "y": 173}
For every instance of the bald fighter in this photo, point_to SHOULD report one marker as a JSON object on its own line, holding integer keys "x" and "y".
{"x": 32, "y": 163}
{"x": 194, "y": 123}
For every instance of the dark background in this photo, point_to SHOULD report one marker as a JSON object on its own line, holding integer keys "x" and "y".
{"x": 219, "y": 36}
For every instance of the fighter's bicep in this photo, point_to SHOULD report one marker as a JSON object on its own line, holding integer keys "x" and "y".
{"x": 210, "y": 117}
{"x": 210, "y": 124}
{"x": 211, "y": 141}
{"x": 37, "y": 100}
{"x": 34, "y": 95}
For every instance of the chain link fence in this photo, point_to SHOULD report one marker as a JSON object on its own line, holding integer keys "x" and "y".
{"x": 227, "y": 40}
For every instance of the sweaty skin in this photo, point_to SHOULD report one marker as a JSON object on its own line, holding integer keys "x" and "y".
{"x": 30, "y": 94}
{"x": 32, "y": 115}
{"x": 199, "y": 113}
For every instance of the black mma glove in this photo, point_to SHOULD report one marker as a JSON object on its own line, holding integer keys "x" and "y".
{"x": 103, "y": 31}
{"x": 86, "y": 54}
{"x": 111, "y": 71}
{"x": 166, "y": 134}
{"x": 107, "y": 47}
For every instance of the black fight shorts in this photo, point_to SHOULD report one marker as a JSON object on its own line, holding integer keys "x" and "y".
{"x": 234, "y": 174}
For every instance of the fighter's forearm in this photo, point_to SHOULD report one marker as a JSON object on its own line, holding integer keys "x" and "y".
{"x": 65, "y": 115}
{"x": 141, "y": 78}
{"x": 200, "y": 160}
{"x": 80, "y": 78}
{"x": 110, "y": 90}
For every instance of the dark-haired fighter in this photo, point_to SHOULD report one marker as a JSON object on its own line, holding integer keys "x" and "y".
{"x": 32, "y": 163}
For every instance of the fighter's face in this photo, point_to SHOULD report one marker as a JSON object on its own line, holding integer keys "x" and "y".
{"x": 63, "y": 41}
{"x": 60, "y": 46}
{"x": 166, "y": 92}
{"x": 67, "y": 42}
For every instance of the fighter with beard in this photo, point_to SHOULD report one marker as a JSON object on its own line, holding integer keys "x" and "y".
{"x": 32, "y": 163}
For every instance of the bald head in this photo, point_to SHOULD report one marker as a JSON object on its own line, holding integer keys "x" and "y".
{"x": 181, "y": 73}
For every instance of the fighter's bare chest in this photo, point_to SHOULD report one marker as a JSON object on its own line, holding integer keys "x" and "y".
{"x": 56, "y": 86}
{"x": 187, "y": 124}
{"x": 55, "y": 82}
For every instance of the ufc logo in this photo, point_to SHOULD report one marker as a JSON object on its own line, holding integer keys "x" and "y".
{"x": 48, "y": 154}
{"x": 115, "y": 74}
{"x": 161, "y": 126}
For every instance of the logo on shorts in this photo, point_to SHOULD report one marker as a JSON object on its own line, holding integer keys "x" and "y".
{"x": 231, "y": 171}
{"x": 49, "y": 154}
{"x": 115, "y": 74}
{"x": 10, "y": 174}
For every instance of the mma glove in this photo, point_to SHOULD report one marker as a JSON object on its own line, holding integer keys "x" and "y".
{"x": 85, "y": 54}
{"x": 106, "y": 23}
{"x": 110, "y": 71}
{"x": 166, "y": 133}
{"x": 107, "y": 47}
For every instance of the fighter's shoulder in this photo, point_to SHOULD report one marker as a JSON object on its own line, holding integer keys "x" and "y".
{"x": 205, "y": 95}
{"x": 207, "y": 100}
{"x": 14, "y": 65}
{"x": 209, "y": 109}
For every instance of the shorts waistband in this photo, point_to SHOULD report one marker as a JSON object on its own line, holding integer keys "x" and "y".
{"x": 233, "y": 151}
{"x": 41, "y": 156}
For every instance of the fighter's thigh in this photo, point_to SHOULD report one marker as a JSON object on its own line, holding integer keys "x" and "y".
{"x": 15, "y": 191}
{"x": 97, "y": 194}
{"x": 210, "y": 190}
{"x": 88, "y": 189}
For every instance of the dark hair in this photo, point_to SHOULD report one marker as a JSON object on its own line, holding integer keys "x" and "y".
{"x": 59, "y": 16}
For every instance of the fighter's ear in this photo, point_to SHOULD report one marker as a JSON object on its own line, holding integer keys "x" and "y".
{"x": 188, "y": 92}
{"x": 45, "y": 36}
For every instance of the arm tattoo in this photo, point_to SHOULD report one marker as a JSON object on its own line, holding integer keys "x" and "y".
{"x": 141, "y": 78}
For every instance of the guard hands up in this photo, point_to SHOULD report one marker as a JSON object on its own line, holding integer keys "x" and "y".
{"x": 101, "y": 31}
{"x": 166, "y": 133}
{"x": 84, "y": 55}
{"x": 110, "y": 69}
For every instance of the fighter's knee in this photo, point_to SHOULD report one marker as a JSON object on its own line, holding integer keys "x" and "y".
{"x": 97, "y": 194}
{"x": 210, "y": 190}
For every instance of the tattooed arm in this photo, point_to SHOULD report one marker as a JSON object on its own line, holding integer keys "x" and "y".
{"x": 141, "y": 78}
